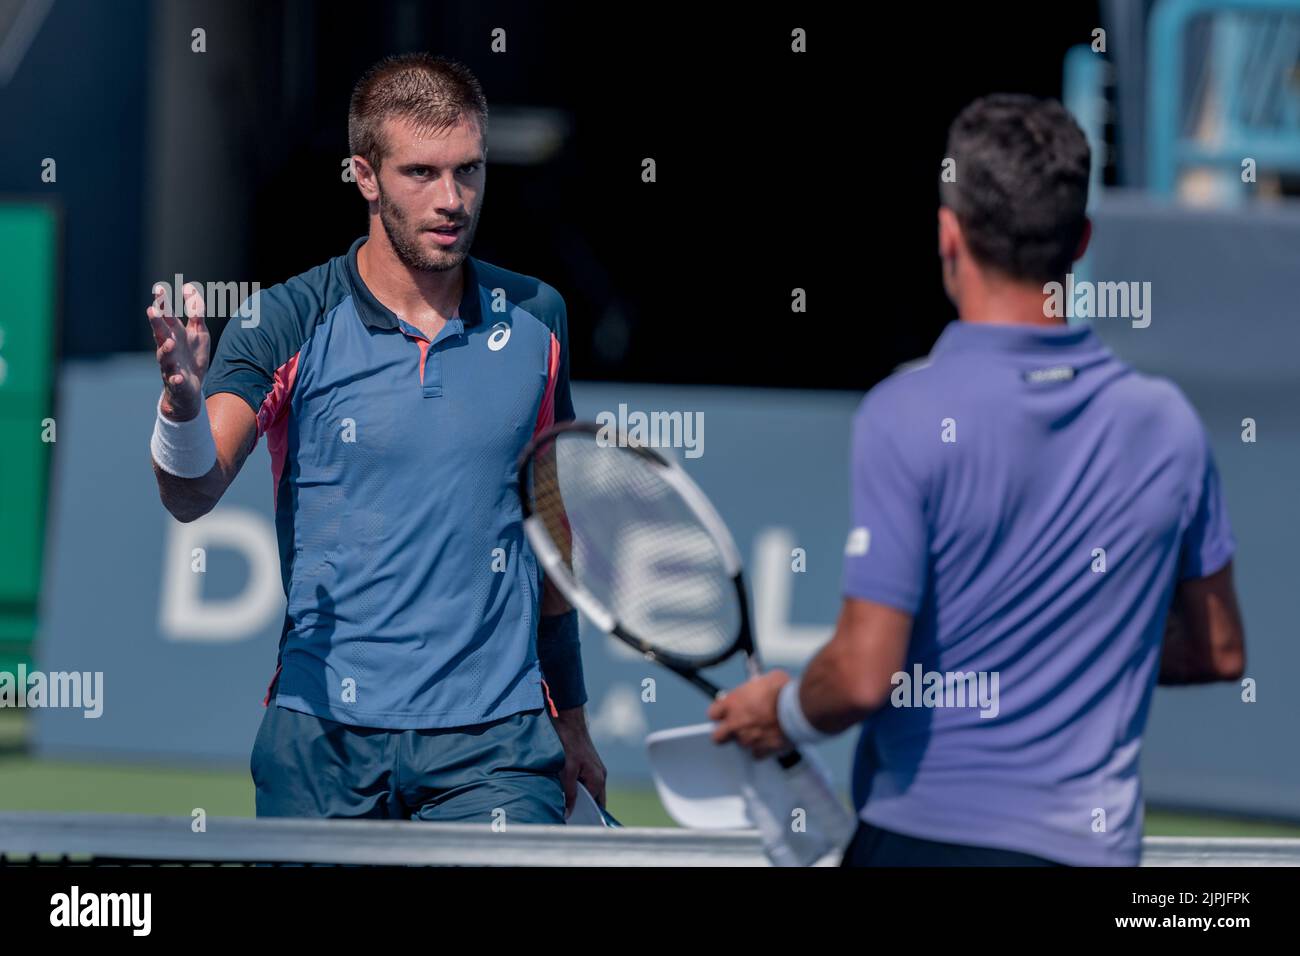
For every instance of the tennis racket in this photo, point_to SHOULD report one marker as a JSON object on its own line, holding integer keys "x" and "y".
{"x": 633, "y": 543}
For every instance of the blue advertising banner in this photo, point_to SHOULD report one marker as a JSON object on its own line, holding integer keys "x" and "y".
{"x": 186, "y": 657}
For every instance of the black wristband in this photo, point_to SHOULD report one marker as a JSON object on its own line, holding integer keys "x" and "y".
{"x": 560, "y": 654}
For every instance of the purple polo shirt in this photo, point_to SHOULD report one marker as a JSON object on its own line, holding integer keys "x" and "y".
{"x": 1031, "y": 501}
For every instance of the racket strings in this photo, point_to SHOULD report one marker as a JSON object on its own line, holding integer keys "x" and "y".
{"x": 634, "y": 544}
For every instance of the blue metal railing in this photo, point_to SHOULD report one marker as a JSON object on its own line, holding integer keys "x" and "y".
{"x": 1252, "y": 90}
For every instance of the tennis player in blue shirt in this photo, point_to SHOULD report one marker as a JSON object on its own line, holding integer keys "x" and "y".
{"x": 1038, "y": 536}
{"x": 425, "y": 670}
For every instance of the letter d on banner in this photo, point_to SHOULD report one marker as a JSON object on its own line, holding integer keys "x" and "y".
{"x": 184, "y": 614}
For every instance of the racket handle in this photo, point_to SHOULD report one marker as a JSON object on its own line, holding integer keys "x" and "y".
{"x": 790, "y": 758}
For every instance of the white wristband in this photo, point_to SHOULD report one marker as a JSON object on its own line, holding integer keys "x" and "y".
{"x": 794, "y": 724}
{"x": 184, "y": 449}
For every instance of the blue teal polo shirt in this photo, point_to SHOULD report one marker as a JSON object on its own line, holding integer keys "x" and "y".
{"x": 412, "y": 594}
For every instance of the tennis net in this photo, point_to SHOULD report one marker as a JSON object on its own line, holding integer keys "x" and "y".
{"x": 28, "y": 839}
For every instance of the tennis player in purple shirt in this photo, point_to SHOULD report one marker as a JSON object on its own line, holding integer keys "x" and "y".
{"x": 1039, "y": 536}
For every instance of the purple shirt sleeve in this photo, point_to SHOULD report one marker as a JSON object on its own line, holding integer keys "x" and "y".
{"x": 1208, "y": 543}
{"x": 886, "y": 553}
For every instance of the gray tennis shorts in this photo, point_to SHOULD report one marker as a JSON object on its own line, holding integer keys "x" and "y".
{"x": 505, "y": 771}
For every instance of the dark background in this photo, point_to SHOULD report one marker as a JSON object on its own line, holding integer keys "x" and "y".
{"x": 775, "y": 170}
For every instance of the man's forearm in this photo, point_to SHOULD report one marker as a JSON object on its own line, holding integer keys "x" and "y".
{"x": 852, "y": 676}
{"x": 1183, "y": 662}
{"x": 234, "y": 433}
{"x": 831, "y": 699}
{"x": 1176, "y": 662}
{"x": 559, "y": 654}
{"x": 188, "y": 499}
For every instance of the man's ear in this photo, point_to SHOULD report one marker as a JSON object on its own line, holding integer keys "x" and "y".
{"x": 367, "y": 178}
{"x": 949, "y": 240}
{"x": 1084, "y": 238}
{"x": 949, "y": 234}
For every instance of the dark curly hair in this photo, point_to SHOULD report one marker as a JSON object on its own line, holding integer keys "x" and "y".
{"x": 1021, "y": 184}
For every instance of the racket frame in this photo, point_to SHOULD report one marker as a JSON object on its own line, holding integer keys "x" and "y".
{"x": 552, "y": 562}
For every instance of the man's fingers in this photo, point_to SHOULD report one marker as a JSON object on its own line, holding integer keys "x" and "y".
{"x": 164, "y": 326}
{"x": 194, "y": 309}
{"x": 161, "y": 304}
{"x": 593, "y": 778}
{"x": 570, "y": 779}
{"x": 157, "y": 326}
{"x": 166, "y": 356}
